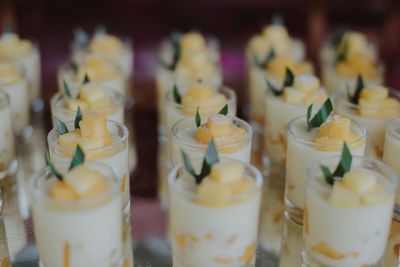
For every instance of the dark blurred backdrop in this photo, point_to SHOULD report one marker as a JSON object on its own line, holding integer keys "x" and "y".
{"x": 51, "y": 23}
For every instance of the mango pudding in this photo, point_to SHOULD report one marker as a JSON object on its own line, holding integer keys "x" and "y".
{"x": 182, "y": 61}
{"x": 91, "y": 98}
{"x": 274, "y": 37}
{"x": 232, "y": 137}
{"x": 375, "y": 105}
{"x": 391, "y": 256}
{"x": 16, "y": 87}
{"x": 98, "y": 70}
{"x": 347, "y": 213}
{"x": 101, "y": 140}
{"x": 284, "y": 106}
{"x": 351, "y": 57}
{"x": 108, "y": 46}
{"x": 391, "y": 152}
{"x": 306, "y": 146}
{"x": 274, "y": 72}
{"x": 77, "y": 217}
{"x": 7, "y": 144}
{"x": 292, "y": 243}
{"x": 214, "y": 221}
{"x": 26, "y": 55}
{"x": 199, "y": 96}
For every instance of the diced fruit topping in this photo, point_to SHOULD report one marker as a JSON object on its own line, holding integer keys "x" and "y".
{"x": 80, "y": 182}
{"x": 343, "y": 197}
{"x": 293, "y": 96}
{"x": 192, "y": 42}
{"x": 226, "y": 172}
{"x": 223, "y": 131}
{"x": 107, "y": 44}
{"x": 225, "y": 180}
{"x": 200, "y": 91}
{"x": 93, "y": 125}
{"x": 318, "y": 97}
{"x": 73, "y": 104}
{"x": 358, "y": 187}
{"x": 375, "y": 102}
{"x": 98, "y": 69}
{"x": 306, "y": 83}
{"x": 203, "y": 97}
{"x": 359, "y": 181}
{"x": 374, "y": 93}
{"x": 334, "y": 132}
{"x": 91, "y": 97}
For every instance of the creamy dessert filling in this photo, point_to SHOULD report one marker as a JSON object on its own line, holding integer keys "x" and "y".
{"x": 97, "y": 69}
{"x": 9, "y": 75}
{"x": 91, "y": 97}
{"x": 107, "y": 45}
{"x": 12, "y": 47}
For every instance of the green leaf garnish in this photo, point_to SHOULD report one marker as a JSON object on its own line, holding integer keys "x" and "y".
{"x": 359, "y": 87}
{"x": 9, "y": 28}
{"x": 85, "y": 79}
{"x": 81, "y": 37}
{"x": 78, "y": 158}
{"x": 341, "y": 53}
{"x": 277, "y": 19}
{"x": 176, "y": 52}
{"x": 287, "y": 81}
{"x": 66, "y": 88}
{"x": 78, "y": 118}
{"x": 73, "y": 64}
{"x": 343, "y": 166}
{"x": 264, "y": 63}
{"x": 61, "y": 127}
{"x": 224, "y": 110}
{"x": 210, "y": 158}
{"x": 177, "y": 96}
{"x": 52, "y": 168}
{"x": 321, "y": 116}
{"x": 100, "y": 29}
{"x": 338, "y": 37}
{"x": 200, "y": 80}
{"x": 198, "y": 118}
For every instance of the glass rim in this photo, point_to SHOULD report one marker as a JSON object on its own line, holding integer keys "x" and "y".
{"x": 258, "y": 178}
{"x": 54, "y": 132}
{"x": 37, "y": 194}
{"x": 389, "y": 126}
{"x": 118, "y": 99}
{"x": 310, "y": 177}
{"x": 340, "y": 97}
{"x": 290, "y": 132}
{"x": 225, "y": 90}
{"x": 10, "y": 170}
{"x": 186, "y": 142}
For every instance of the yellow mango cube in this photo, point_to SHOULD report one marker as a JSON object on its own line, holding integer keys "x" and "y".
{"x": 98, "y": 189}
{"x": 73, "y": 104}
{"x": 318, "y": 97}
{"x": 226, "y": 172}
{"x": 192, "y": 41}
{"x": 212, "y": 193}
{"x": 374, "y": 199}
{"x": 275, "y": 32}
{"x": 63, "y": 191}
{"x": 91, "y": 92}
{"x": 303, "y": 68}
{"x": 219, "y": 125}
{"x": 341, "y": 196}
{"x": 336, "y": 127}
{"x": 325, "y": 143}
{"x": 203, "y": 135}
{"x": 292, "y": 96}
{"x": 240, "y": 185}
{"x": 374, "y": 93}
{"x": 279, "y": 64}
{"x": 93, "y": 125}
{"x": 69, "y": 140}
{"x": 200, "y": 91}
{"x": 359, "y": 181}
{"x": 95, "y": 61}
{"x": 306, "y": 83}
{"x": 82, "y": 179}
{"x": 357, "y": 42}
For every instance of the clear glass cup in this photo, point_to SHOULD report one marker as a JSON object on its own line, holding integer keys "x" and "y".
{"x": 184, "y": 138}
{"x": 391, "y": 153}
{"x": 115, "y": 155}
{"x": 329, "y": 235}
{"x": 66, "y": 72}
{"x": 391, "y": 256}
{"x": 301, "y": 151}
{"x": 18, "y": 94}
{"x": 113, "y": 112}
{"x": 72, "y": 232}
{"x": 7, "y": 143}
{"x": 375, "y": 126}
{"x": 292, "y": 243}
{"x": 208, "y": 236}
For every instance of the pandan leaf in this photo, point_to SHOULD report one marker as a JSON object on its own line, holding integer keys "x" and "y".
{"x": 61, "y": 127}
{"x": 66, "y": 89}
{"x": 273, "y": 89}
{"x": 177, "y": 96}
{"x": 198, "y": 118}
{"x": 289, "y": 78}
{"x": 359, "y": 87}
{"x": 85, "y": 79}
{"x": 224, "y": 110}
{"x": 78, "y": 118}
{"x": 78, "y": 158}
{"x": 321, "y": 116}
{"x": 343, "y": 167}
{"x": 341, "y": 53}
{"x": 73, "y": 64}
{"x": 52, "y": 168}
{"x": 81, "y": 38}
{"x": 264, "y": 63}
{"x": 100, "y": 29}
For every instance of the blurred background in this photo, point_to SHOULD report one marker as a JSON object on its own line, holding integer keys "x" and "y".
{"x": 52, "y": 22}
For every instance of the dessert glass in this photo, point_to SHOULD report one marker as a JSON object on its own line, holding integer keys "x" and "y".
{"x": 209, "y": 236}
{"x": 329, "y": 235}
{"x": 292, "y": 243}
{"x": 391, "y": 256}
{"x": 72, "y": 232}
{"x": 302, "y": 150}
{"x": 7, "y": 143}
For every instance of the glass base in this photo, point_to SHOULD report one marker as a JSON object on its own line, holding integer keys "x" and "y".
{"x": 293, "y": 213}
{"x": 308, "y": 261}
{"x": 396, "y": 213}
